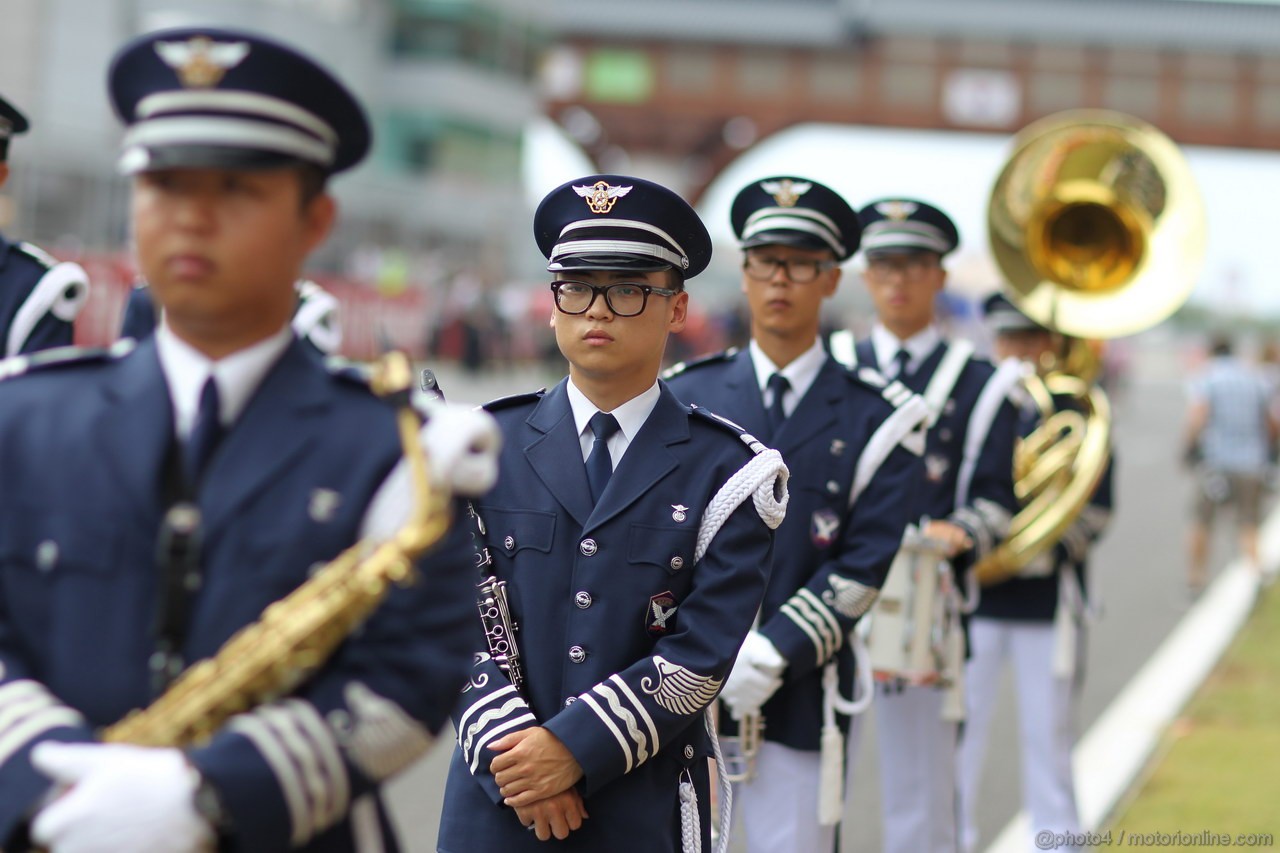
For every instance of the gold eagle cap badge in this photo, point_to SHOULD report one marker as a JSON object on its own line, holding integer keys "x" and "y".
{"x": 601, "y": 197}
{"x": 897, "y": 210}
{"x": 201, "y": 62}
{"x": 786, "y": 192}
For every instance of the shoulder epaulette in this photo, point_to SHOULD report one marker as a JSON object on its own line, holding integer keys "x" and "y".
{"x": 721, "y": 421}
{"x": 513, "y": 400}
{"x": 64, "y": 357}
{"x": 684, "y": 366}
{"x": 37, "y": 254}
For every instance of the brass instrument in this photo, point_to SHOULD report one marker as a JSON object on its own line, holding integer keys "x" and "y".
{"x": 1098, "y": 228}
{"x": 294, "y": 636}
{"x": 740, "y": 760}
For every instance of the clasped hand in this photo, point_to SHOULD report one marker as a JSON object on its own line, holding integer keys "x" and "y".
{"x": 536, "y": 773}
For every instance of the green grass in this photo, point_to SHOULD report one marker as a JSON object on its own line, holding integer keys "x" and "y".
{"x": 1217, "y": 769}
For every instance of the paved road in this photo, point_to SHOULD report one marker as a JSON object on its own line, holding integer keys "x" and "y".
{"x": 1137, "y": 577}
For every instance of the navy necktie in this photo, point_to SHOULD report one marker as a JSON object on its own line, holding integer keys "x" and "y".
{"x": 205, "y": 434}
{"x": 779, "y": 385}
{"x": 902, "y": 358}
{"x": 599, "y": 462}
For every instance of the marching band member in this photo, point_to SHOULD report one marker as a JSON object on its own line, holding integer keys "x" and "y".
{"x": 967, "y": 493}
{"x": 274, "y": 461}
{"x": 629, "y": 605}
{"x": 315, "y": 316}
{"x": 1035, "y": 622}
{"x": 852, "y": 492}
{"x": 39, "y": 297}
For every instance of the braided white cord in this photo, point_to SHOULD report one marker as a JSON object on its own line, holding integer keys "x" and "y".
{"x": 758, "y": 479}
{"x": 722, "y": 778}
{"x": 690, "y": 831}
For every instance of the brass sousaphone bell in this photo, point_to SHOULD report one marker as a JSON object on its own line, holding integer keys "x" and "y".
{"x": 1098, "y": 229}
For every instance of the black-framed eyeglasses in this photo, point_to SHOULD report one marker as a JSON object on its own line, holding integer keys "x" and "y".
{"x": 798, "y": 270}
{"x": 624, "y": 298}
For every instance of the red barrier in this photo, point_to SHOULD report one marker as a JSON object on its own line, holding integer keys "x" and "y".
{"x": 369, "y": 319}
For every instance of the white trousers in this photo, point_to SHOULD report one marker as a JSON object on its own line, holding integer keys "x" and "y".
{"x": 1046, "y": 711}
{"x": 777, "y": 811}
{"x": 917, "y": 770}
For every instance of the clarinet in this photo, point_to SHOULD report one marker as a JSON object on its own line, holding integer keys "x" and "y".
{"x": 495, "y": 613}
{"x": 491, "y": 593}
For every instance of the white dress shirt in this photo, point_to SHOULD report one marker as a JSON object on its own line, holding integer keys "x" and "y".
{"x": 237, "y": 375}
{"x": 918, "y": 347}
{"x": 631, "y": 416}
{"x": 801, "y": 373}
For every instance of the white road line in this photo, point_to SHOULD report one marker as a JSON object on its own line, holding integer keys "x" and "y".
{"x": 1116, "y": 748}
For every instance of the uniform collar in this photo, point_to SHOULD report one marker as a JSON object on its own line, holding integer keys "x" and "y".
{"x": 631, "y": 415}
{"x": 237, "y": 375}
{"x": 918, "y": 346}
{"x": 801, "y": 372}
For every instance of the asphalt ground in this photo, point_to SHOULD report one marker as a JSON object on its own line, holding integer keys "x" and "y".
{"x": 1137, "y": 586}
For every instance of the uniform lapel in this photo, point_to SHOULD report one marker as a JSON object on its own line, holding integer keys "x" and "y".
{"x": 919, "y": 380}
{"x": 282, "y": 420}
{"x": 744, "y": 387}
{"x": 556, "y": 455}
{"x": 648, "y": 458}
{"x": 816, "y": 410}
{"x": 867, "y": 354}
{"x": 135, "y": 429}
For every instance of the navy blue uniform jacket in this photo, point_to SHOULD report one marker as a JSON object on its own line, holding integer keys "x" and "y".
{"x": 625, "y": 639}
{"x": 21, "y": 269}
{"x": 81, "y": 450}
{"x": 985, "y": 511}
{"x": 830, "y": 557}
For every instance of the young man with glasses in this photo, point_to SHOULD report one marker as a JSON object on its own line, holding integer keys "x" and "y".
{"x": 39, "y": 297}
{"x": 632, "y": 572}
{"x": 966, "y": 497}
{"x": 841, "y": 433}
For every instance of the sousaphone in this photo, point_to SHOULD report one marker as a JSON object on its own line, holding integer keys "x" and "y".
{"x": 1098, "y": 229}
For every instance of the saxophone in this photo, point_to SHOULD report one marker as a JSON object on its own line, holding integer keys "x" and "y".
{"x": 296, "y": 635}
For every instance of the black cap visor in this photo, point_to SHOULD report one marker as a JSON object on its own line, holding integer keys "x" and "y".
{"x": 795, "y": 239}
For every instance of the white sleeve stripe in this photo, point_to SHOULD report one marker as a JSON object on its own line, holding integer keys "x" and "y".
{"x": 31, "y": 727}
{"x": 21, "y": 688}
{"x": 264, "y": 740}
{"x": 18, "y": 708}
{"x": 622, "y": 715}
{"x": 617, "y": 735}
{"x": 803, "y": 624}
{"x": 823, "y": 611}
{"x": 286, "y": 731}
{"x": 492, "y": 734}
{"x": 639, "y": 706}
{"x": 286, "y": 724}
{"x": 514, "y": 704}
{"x": 326, "y": 751}
{"x": 493, "y": 697}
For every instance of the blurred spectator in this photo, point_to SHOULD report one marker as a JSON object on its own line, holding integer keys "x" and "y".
{"x": 1230, "y": 429}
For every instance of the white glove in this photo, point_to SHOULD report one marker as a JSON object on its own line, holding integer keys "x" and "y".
{"x": 462, "y": 446}
{"x": 119, "y": 797}
{"x": 462, "y": 449}
{"x": 756, "y": 675}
